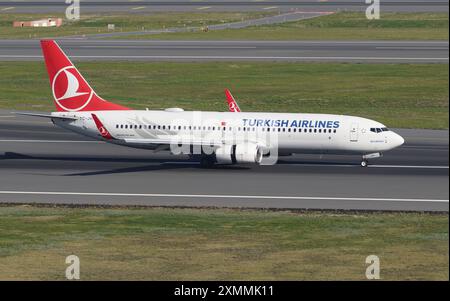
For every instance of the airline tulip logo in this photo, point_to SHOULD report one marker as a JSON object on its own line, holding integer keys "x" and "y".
{"x": 70, "y": 90}
{"x": 103, "y": 131}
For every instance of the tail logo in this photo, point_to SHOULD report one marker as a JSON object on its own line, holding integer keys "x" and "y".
{"x": 232, "y": 106}
{"x": 67, "y": 91}
{"x": 103, "y": 131}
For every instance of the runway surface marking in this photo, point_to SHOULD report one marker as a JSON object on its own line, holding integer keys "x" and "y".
{"x": 172, "y": 47}
{"x": 222, "y": 196}
{"x": 370, "y": 166}
{"x": 408, "y": 166}
{"x": 411, "y": 48}
{"x": 214, "y": 57}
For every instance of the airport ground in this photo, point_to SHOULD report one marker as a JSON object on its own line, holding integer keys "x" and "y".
{"x": 42, "y": 164}
{"x": 145, "y": 6}
{"x": 219, "y": 244}
{"x": 400, "y": 95}
{"x": 338, "y": 26}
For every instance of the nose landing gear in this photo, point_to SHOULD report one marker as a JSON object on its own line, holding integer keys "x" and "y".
{"x": 365, "y": 158}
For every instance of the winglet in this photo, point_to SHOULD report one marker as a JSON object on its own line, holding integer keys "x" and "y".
{"x": 101, "y": 128}
{"x": 232, "y": 104}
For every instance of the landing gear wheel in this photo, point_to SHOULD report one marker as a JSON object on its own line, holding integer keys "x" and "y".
{"x": 206, "y": 162}
{"x": 364, "y": 163}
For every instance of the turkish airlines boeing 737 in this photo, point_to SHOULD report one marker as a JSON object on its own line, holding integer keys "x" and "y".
{"x": 214, "y": 137}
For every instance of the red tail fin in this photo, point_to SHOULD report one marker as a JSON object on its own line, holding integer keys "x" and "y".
{"x": 71, "y": 92}
{"x": 232, "y": 104}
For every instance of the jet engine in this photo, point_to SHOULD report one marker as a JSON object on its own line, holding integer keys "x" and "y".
{"x": 239, "y": 154}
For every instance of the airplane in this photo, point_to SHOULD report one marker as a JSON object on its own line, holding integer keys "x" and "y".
{"x": 211, "y": 137}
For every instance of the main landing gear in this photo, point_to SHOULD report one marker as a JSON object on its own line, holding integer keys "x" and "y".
{"x": 365, "y": 158}
{"x": 207, "y": 161}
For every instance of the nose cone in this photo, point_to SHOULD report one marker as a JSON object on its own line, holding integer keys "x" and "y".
{"x": 397, "y": 140}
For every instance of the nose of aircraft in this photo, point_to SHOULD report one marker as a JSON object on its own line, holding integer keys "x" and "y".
{"x": 397, "y": 140}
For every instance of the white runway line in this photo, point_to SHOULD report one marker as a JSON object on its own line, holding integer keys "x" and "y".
{"x": 370, "y": 166}
{"x": 221, "y": 196}
{"x": 408, "y": 166}
{"x": 171, "y": 47}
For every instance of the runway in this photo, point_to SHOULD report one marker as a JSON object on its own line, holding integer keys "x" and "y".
{"x": 322, "y": 51}
{"x": 40, "y": 163}
{"x": 146, "y": 6}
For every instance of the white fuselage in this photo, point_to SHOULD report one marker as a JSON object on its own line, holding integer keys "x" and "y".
{"x": 289, "y": 133}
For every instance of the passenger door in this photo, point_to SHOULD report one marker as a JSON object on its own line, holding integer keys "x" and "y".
{"x": 354, "y": 132}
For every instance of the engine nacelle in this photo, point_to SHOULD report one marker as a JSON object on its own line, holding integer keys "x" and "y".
{"x": 239, "y": 154}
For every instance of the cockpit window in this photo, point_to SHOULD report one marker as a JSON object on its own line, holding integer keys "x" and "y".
{"x": 379, "y": 130}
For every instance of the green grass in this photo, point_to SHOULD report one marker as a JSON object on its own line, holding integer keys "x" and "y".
{"x": 97, "y": 23}
{"x": 191, "y": 244}
{"x": 399, "y": 95}
{"x": 343, "y": 25}
{"x": 339, "y": 26}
